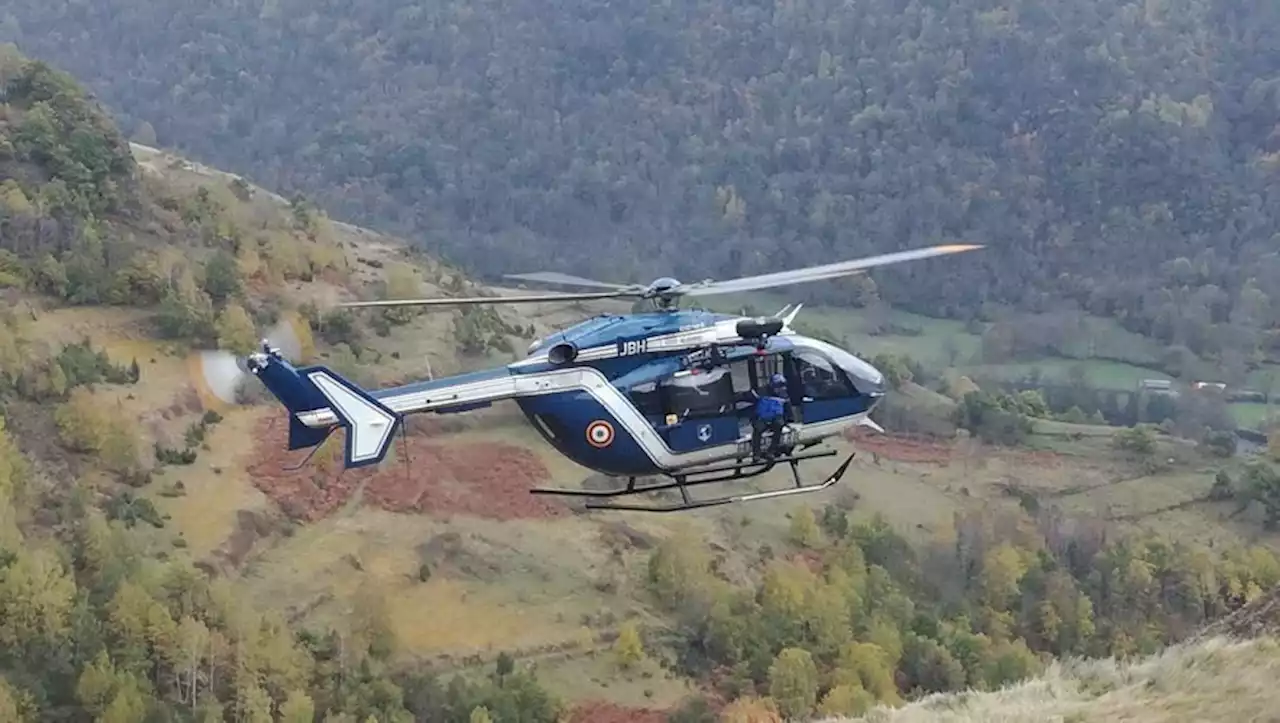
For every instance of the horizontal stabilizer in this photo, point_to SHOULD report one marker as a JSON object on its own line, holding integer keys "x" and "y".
{"x": 370, "y": 424}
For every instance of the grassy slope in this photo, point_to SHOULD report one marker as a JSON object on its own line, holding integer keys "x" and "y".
{"x": 1223, "y": 673}
{"x": 534, "y": 584}
{"x": 550, "y": 589}
{"x": 1215, "y": 680}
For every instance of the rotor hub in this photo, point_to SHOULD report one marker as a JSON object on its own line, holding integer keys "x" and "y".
{"x": 257, "y": 361}
{"x": 662, "y": 287}
{"x": 662, "y": 293}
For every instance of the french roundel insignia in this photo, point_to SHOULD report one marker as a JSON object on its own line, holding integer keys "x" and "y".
{"x": 600, "y": 434}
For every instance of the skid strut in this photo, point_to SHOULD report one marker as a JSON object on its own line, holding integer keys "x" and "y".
{"x": 741, "y": 470}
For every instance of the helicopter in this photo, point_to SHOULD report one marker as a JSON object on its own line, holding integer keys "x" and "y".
{"x": 654, "y": 393}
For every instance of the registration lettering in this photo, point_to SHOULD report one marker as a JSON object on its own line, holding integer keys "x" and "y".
{"x": 631, "y": 348}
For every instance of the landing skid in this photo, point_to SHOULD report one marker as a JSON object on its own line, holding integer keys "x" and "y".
{"x": 735, "y": 471}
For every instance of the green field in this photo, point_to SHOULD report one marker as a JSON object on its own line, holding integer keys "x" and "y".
{"x": 1101, "y": 373}
{"x": 1265, "y": 378}
{"x": 948, "y": 344}
{"x": 1253, "y": 415}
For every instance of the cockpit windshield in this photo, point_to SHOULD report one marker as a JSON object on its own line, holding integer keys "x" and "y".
{"x": 865, "y": 377}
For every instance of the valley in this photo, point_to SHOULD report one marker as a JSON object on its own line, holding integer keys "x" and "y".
{"x": 463, "y": 565}
{"x": 159, "y": 555}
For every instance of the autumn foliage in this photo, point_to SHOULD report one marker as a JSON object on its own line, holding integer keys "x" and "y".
{"x": 879, "y": 620}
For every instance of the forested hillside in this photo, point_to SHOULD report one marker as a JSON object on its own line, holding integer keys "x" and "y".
{"x": 1091, "y": 143}
{"x": 149, "y": 587}
{"x": 98, "y": 619}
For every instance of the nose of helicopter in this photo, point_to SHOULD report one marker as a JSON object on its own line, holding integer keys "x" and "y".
{"x": 866, "y": 379}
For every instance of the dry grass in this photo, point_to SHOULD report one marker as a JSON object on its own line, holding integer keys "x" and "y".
{"x": 597, "y": 676}
{"x": 215, "y": 487}
{"x": 1216, "y": 680}
{"x": 500, "y": 585}
{"x": 215, "y": 490}
{"x": 533, "y": 585}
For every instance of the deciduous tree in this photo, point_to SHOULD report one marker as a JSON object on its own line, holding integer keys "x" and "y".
{"x": 750, "y": 709}
{"x": 793, "y": 682}
{"x": 36, "y": 597}
{"x": 83, "y": 425}
{"x": 236, "y": 332}
{"x": 804, "y": 527}
{"x": 628, "y": 648}
{"x": 848, "y": 699}
{"x": 297, "y": 708}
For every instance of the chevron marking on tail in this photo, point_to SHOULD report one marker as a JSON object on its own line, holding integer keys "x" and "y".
{"x": 370, "y": 424}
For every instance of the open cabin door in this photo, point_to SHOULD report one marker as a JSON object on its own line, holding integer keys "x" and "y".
{"x": 764, "y": 366}
{"x": 703, "y": 408}
{"x": 698, "y": 409}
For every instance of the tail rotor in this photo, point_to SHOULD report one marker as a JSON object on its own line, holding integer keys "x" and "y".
{"x": 223, "y": 375}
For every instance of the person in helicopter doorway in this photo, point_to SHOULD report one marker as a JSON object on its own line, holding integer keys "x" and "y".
{"x": 770, "y": 413}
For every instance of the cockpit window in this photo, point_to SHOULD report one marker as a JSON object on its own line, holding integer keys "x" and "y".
{"x": 819, "y": 378}
{"x": 864, "y": 376}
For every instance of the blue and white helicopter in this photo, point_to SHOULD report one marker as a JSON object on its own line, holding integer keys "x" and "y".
{"x": 655, "y": 393}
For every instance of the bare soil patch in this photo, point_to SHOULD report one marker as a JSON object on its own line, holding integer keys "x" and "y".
{"x": 602, "y": 712}
{"x": 1042, "y": 459}
{"x": 920, "y": 449}
{"x": 902, "y": 448}
{"x": 480, "y": 479}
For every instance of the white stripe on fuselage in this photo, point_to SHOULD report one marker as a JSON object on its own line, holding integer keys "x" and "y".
{"x": 721, "y": 332}
{"x": 585, "y": 379}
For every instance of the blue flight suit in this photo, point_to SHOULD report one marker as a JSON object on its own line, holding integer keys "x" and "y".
{"x": 770, "y": 413}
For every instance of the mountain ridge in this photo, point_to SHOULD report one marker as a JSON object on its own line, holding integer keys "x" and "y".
{"x": 725, "y": 138}
{"x": 143, "y": 527}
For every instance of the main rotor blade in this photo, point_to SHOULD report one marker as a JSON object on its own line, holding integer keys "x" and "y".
{"x": 555, "y": 277}
{"x": 285, "y": 337}
{"x": 478, "y": 300}
{"x": 818, "y": 273}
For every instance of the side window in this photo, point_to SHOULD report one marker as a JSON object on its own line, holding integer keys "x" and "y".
{"x": 764, "y": 366}
{"x": 819, "y": 379}
{"x": 741, "y": 373}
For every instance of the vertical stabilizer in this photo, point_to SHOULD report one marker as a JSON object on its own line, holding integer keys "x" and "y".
{"x": 370, "y": 425}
